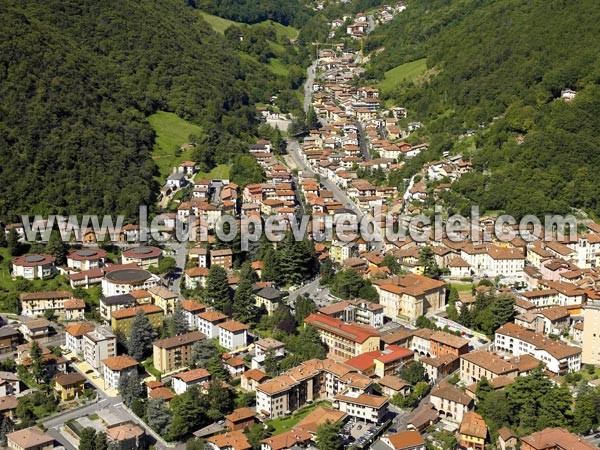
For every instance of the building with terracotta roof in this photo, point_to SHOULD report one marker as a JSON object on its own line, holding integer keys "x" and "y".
{"x": 252, "y": 378}
{"x": 183, "y": 380}
{"x": 232, "y": 440}
{"x": 208, "y": 322}
{"x": 33, "y": 266}
{"x": 392, "y": 385}
{"x": 8, "y": 406}
{"x": 32, "y": 438}
{"x": 144, "y": 256}
{"x": 287, "y": 440}
{"x": 555, "y": 439}
{"x": 367, "y": 407}
{"x": 115, "y": 367}
{"x": 162, "y": 393}
{"x": 164, "y": 298}
{"x": 356, "y": 310}
{"x": 405, "y": 440}
{"x": 9, "y": 339}
{"x": 507, "y": 439}
{"x": 440, "y": 366}
{"x": 122, "y": 319}
{"x": 558, "y": 357}
{"x": 411, "y": 296}
{"x": 379, "y": 363}
{"x": 442, "y": 343}
{"x": 35, "y": 329}
{"x": 37, "y": 303}
{"x": 74, "y": 336}
{"x": 86, "y": 259}
{"x": 473, "y": 431}
{"x": 191, "y": 309}
{"x": 479, "y": 364}
{"x": 450, "y": 402}
{"x": 318, "y": 417}
{"x": 175, "y": 352}
{"x": 233, "y": 334}
{"x": 223, "y": 258}
{"x": 235, "y": 366}
{"x": 343, "y": 340}
{"x": 240, "y": 419}
{"x": 127, "y": 436}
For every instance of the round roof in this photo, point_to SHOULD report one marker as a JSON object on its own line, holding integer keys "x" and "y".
{"x": 87, "y": 252}
{"x": 34, "y": 258}
{"x": 128, "y": 276}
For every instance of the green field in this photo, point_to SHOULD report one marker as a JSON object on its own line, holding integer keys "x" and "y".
{"x": 171, "y": 132}
{"x": 278, "y": 68}
{"x": 218, "y": 173}
{"x": 217, "y": 23}
{"x": 408, "y": 71}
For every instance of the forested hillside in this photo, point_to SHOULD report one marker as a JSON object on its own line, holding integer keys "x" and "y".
{"x": 79, "y": 77}
{"x": 508, "y": 60}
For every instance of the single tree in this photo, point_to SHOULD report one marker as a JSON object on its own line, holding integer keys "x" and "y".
{"x": 101, "y": 443}
{"x": 158, "y": 416}
{"x": 6, "y": 427}
{"x": 217, "y": 289}
{"x": 139, "y": 343}
{"x": 271, "y": 365}
{"x": 244, "y": 307}
{"x": 413, "y": 373}
{"x": 87, "y": 438}
{"x": 327, "y": 436}
{"x": 57, "y": 248}
{"x": 312, "y": 120}
{"x": 180, "y": 323}
{"x": 131, "y": 388}
{"x": 203, "y": 351}
{"x": 3, "y": 241}
{"x": 304, "y": 308}
{"x": 167, "y": 265}
{"x": 13, "y": 244}
{"x": 38, "y": 367}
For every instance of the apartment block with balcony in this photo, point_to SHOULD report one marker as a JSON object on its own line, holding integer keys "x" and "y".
{"x": 174, "y": 352}
{"x": 98, "y": 345}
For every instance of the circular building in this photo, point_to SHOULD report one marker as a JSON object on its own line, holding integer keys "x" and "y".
{"x": 86, "y": 259}
{"x": 144, "y": 256}
{"x": 123, "y": 281}
{"x": 33, "y": 266}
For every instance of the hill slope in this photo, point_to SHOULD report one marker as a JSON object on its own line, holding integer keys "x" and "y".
{"x": 507, "y": 59}
{"x": 78, "y": 78}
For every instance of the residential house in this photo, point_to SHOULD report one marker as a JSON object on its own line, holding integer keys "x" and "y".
{"x": 232, "y": 440}
{"x": 68, "y": 386}
{"x": 473, "y": 431}
{"x": 184, "y": 380}
{"x": 555, "y": 439}
{"x": 122, "y": 319}
{"x": 144, "y": 256}
{"x": 36, "y": 329}
{"x": 117, "y": 366}
{"x": 174, "y": 352}
{"x": 9, "y": 339}
{"x": 114, "y": 303}
{"x": 252, "y": 378}
{"x": 268, "y": 298}
{"x": 235, "y": 366}
{"x": 200, "y": 255}
{"x": 233, "y": 334}
{"x": 240, "y": 419}
{"x": 356, "y": 310}
{"x": 97, "y": 345}
{"x": 450, "y": 402}
{"x": 507, "y": 439}
{"x": 86, "y": 259}
{"x": 191, "y": 309}
{"x": 37, "y": 303}
{"x": 368, "y": 407}
{"x": 9, "y": 384}
{"x": 392, "y": 385}
{"x": 405, "y": 440}
{"x": 223, "y": 258}
{"x": 74, "y": 336}
{"x": 164, "y": 298}
{"x": 32, "y": 438}
{"x": 195, "y": 277}
{"x": 127, "y": 436}
{"x": 558, "y": 357}
{"x": 440, "y": 366}
{"x": 208, "y": 322}
{"x": 292, "y": 439}
{"x": 443, "y": 343}
{"x": 33, "y": 267}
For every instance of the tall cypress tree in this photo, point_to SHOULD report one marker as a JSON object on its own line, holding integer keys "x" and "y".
{"x": 217, "y": 289}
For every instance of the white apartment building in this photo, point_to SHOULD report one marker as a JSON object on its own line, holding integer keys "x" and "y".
{"x": 99, "y": 345}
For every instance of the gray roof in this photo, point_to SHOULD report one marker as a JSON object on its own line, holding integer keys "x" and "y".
{"x": 269, "y": 293}
{"x": 8, "y": 331}
{"x": 122, "y": 299}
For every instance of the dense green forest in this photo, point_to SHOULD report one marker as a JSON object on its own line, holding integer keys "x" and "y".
{"x": 286, "y": 12}
{"x": 498, "y": 66}
{"x": 79, "y": 78}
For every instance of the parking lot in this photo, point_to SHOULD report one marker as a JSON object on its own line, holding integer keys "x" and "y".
{"x": 359, "y": 432}
{"x": 93, "y": 377}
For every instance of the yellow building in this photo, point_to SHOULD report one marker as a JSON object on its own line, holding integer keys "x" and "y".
{"x": 473, "y": 431}
{"x": 163, "y": 298}
{"x": 122, "y": 319}
{"x": 68, "y": 386}
{"x": 344, "y": 340}
{"x": 175, "y": 352}
{"x": 591, "y": 337}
